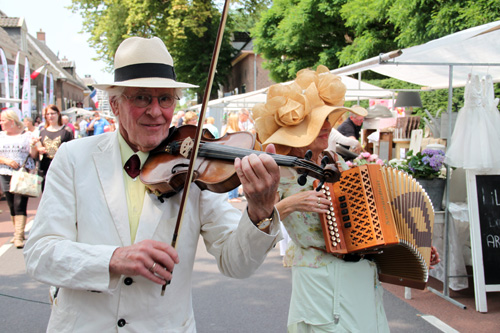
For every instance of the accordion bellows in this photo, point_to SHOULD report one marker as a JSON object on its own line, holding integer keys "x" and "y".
{"x": 386, "y": 215}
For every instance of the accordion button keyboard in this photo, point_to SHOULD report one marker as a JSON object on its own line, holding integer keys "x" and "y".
{"x": 333, "y": 230}
{"x": 347, "y": 225}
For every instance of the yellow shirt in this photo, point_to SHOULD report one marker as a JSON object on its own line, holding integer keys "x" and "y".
{"x": 134, "y": 188}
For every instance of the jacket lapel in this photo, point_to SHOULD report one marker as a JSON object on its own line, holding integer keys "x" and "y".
{"x": 111, "y": 181}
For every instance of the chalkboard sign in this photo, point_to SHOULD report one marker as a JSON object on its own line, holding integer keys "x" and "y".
{"x": 483, "y": 195}
{"x": 488, "y": 201}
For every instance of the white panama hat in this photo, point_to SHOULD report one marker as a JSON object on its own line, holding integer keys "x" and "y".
{"x": 146, "y": 63}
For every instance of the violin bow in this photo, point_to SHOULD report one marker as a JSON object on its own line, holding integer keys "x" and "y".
{"x": 199, "y": 129}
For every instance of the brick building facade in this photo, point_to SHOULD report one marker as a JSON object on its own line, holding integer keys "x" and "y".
{"x": 69, "y": 89}
{"x": 247, "y": 73}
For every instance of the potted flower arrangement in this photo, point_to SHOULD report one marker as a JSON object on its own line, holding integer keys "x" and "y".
{"x": 365, "y": 158}
{"x": 429, "y": 169}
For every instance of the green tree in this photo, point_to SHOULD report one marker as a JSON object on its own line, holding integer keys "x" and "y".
{"x": 382, "y": 26}
{"x": 246, "y": 13}
{"x": 188, "y": 28}
{"x": 295, "y": 34}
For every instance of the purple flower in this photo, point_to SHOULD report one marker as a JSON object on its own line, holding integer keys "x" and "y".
{"x": 433, "y": 158}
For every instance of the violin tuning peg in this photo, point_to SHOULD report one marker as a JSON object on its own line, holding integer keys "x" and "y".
{"x": 302, "y": 179}
{"x": 320, "y": 185}
{"x": 324, "y": 161}
{"x": 308, "y": 155}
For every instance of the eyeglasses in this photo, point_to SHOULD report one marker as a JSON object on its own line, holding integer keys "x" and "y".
{"x": 143, "y": 100}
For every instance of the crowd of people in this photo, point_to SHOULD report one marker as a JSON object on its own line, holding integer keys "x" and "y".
{"x": 33, "y": 145}
{"x": 108, "y": 246}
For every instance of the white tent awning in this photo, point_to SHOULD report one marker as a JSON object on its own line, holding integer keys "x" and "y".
{"x": 356, "y": 89}
{"x": 474, "y": 50}
{"x": 9, "y": 100}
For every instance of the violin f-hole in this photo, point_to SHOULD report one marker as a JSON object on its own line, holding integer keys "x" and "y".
{"x": 181, "y": 166}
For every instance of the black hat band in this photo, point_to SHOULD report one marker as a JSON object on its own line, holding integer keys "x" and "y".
{"x": 139, "y": 71}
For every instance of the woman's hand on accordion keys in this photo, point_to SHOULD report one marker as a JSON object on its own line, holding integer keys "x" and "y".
{"x": 307, "y": 201}
{"x": 434, "y": 257}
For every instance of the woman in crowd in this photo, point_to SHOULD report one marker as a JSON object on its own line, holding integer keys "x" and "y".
{"x": 231, "y": 127}
{"x": 330, "y": 293}
{"x": 15, "y": 148}
{"x": 30, "y": 126}
{"x": 190, "y": 118}
{"x": 52, "y": 136}
{"x": 38, "y": 121}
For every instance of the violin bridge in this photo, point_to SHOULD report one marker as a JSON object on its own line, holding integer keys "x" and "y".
{"x": 186, "y": 147}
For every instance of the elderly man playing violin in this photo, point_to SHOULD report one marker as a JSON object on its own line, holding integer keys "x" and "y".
{"x": 105, "y": 242}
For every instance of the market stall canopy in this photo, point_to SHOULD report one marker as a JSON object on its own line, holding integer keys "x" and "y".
{"x": 356, "y": 89}
{"x": 73, "y": 112}
{"x": 9, "y": 100}
{"x": 474, "y": 50}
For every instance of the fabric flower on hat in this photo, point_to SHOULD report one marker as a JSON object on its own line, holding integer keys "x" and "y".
{"x": 294, "y": 114}
{"x": 285, "y": 106}
{"x": 331, "y": 88}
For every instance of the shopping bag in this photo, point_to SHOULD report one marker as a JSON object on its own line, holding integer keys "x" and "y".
{"x": 25, "y": 183}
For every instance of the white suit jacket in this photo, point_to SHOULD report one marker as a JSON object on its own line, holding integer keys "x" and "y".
{"x": 83, "y": 218}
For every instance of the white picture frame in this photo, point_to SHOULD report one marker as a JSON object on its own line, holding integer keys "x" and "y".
{"x": 480, "y": 286}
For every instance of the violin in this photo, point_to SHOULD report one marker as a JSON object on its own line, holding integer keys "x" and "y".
{"x": 164, "y": 172}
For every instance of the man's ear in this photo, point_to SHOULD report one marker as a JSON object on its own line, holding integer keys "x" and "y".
{"x": 113, "y": 102}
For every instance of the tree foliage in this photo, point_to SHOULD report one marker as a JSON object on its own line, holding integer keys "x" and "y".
{"x": 294, "y": 34}
{"x": 188, "y": 28}
{"x": 382, "y": 26}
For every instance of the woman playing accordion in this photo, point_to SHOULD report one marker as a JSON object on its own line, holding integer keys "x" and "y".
{"x": 330, "y": 292}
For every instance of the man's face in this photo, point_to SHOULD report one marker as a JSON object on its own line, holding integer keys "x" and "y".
{"x": 357, "y": 120}
{"x": 143, "y": 128}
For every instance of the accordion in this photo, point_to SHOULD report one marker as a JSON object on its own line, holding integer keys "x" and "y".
{"x": 385, "y": 215}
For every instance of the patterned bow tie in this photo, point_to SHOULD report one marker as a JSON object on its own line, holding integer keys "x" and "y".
{"x": 132, "y": 167}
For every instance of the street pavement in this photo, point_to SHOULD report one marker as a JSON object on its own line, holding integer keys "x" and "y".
{"x": 257, "y": 304}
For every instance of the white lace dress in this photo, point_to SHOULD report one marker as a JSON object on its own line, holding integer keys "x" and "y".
{"x": 476, "y": 136}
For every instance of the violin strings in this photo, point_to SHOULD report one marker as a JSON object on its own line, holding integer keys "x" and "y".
{"x": 226, "y": 152}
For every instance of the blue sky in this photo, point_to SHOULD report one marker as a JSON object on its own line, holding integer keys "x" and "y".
{"x": 62, "y": 32}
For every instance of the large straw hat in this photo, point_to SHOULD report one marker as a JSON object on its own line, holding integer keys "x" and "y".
{"x": 294, "y": 114}
{"x": 143, "y": 62}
